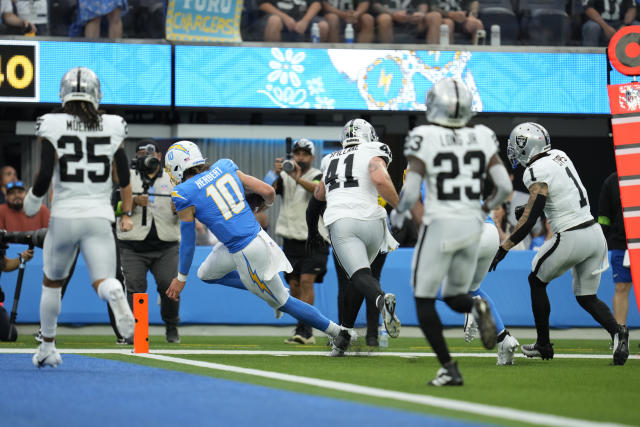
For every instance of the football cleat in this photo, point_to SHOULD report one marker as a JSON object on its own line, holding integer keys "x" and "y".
{"x": 537, "y": 350}
{"x": 391, "y": 321}
{"x": 447, "y": 375}
{"x": 482, "y": 314}
{"x": 47, "y": 355}
{"x": 507, "y": 350}
{"x": 342, "y": 341}
{"x": 621, "y": 346}
{"x": 471, "y": 330}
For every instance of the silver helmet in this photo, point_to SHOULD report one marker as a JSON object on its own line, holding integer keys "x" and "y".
{"x": 449, "y": 103}
{"x": 357, "y": 131}
{"x": 80, "y": 84}
{"x": 526, "y": 141}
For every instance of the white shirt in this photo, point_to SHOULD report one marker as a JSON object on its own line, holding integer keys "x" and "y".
{"x": 350, "y": 192}
{"x": 82, "y": 177}
{"x": 567, "y": 202}
{"x": 456, "y": 166}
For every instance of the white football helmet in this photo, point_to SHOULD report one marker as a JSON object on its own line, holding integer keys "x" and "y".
{"x": 181, "y": 156}
{"x": 80, "y": 84}
{"x": 357, "y": 131}
{"x": 526, "y": 141}
{"x": 449, "y": 103}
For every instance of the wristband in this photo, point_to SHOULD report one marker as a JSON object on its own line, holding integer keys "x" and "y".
{"x": 182, "y": 277}
{"x": 32, "y": 203}
{"x": 268, "y": 204}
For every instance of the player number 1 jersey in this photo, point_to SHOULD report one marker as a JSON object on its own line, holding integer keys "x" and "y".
{"x": 82, "y": 182}
{"x": 456, "y": 165}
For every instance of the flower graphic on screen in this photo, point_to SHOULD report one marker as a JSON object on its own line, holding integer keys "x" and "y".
{"x": 324, "y": 103}
{"x": 315, "y": 86}
{"x": 286, "y": 67}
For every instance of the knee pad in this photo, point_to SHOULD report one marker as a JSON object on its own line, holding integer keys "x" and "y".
{"x": 587, "y": 301}
{"x": 363, "y": 272}
{"x": 461, "y": 303}
{"x": 535, "y": 282}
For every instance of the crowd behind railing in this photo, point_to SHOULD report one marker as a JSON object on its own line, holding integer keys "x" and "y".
{"x": 506, "y": 22}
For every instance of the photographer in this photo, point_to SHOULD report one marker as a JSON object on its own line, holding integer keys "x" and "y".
{"x": 296, "y": 188}
{"x": 152, "y": 245}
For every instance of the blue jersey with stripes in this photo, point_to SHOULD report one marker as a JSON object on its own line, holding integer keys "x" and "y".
{"x": 218, "y": 197}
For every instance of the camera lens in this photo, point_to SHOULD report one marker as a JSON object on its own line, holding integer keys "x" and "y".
{"x": 288, "y": 166}
{"x": 151, "y": 163}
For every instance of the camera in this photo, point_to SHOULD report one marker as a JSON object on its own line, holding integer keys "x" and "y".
{"x": 31, "y": 238}
{"x": 147, "y": 164}
{"x": 288, "y": 165}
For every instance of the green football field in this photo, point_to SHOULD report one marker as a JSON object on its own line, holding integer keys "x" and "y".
{"x": 579, "y": 387}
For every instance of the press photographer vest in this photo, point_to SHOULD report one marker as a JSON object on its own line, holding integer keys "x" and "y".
{"x": 160, "y": 212}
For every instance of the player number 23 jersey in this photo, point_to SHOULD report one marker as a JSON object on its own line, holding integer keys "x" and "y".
{"x": 456, "y": 162}
{"x": 82, "y": 177}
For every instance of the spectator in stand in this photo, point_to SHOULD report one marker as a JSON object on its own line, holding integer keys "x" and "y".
{"x": 12, "y": 216}
{"x": 7, "y": 174}
{"x": 90, "y": 13}
{"x": 291, "y": 20}
{"x": 13, "y": 23}
{"x": 461, "y": 16}
{"x": 604, "y": 18}
{"x": 413, "y": 17}
{"x": 338, "y": 13}
{"x": 34, "y": 11}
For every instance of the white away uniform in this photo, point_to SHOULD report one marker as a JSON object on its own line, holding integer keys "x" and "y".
{"x": 81, "y": 212}
{"x": 357, "y": 224}
{"x": 456, "y": 166}
{"x": 578, "y": 243}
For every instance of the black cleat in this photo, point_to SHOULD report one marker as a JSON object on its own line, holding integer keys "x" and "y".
{"x": 172, "y": 335}
{"x": 340, "y": 343}
{"x": 537, "y": 350}
{"x": 447, "y": 375}
{"x": 621, "y": 346}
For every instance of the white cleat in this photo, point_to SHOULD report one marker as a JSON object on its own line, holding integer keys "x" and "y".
{"x": 391, "y": 321}
{"x": 47, "y": 355}
{"x": 507, "y": 350}
{"x": 122, "y": 313}
{"x": 471, "y": 330}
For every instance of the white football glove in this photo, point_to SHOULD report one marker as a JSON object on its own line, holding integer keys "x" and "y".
{"x": 32, "y": 204}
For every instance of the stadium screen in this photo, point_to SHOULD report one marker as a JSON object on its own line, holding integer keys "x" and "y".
{"x": 361, "y": 79}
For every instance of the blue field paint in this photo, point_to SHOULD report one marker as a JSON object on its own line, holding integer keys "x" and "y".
{"x": 85, "y": 391}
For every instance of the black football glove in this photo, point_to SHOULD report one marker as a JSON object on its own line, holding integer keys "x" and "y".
{"x": 497, "y": 258}
{"x": 518, "y": 211}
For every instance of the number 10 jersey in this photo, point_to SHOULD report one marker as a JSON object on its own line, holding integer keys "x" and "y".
{"x": 350, "y": 193}
{"x": 456, "y": 167}
{"x": 82, "y": 182}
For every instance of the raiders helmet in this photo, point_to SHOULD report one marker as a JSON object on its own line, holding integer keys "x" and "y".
{"x": 181, "y": 156}
{"x": 449, "y": 103}
{"x": 80, "y": 84}
{"x": 357, "y": 131}
{"x": 525, "y": 141}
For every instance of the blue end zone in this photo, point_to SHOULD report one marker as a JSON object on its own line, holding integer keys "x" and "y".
{"x": 84, "y": 391}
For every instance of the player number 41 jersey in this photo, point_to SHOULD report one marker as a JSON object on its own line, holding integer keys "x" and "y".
{"x": 82, "y": 177}
{"x": 567, "y": 202}
{"x": 456, "y": 165}
{"x": 350, "y": 193}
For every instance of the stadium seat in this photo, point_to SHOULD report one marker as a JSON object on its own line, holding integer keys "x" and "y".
{"x": 545, "y": 22}
{"x": 61, "y": 14}
{"x": 500, "y": 12}
{"x": 148, "y": 18}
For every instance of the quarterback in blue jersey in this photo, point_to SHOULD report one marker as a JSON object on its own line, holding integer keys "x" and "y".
{"x": 215, "y": 195}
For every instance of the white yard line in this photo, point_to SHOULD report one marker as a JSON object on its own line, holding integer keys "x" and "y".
{"x": 439, "y": 402}
{"x": 292, "y": 353}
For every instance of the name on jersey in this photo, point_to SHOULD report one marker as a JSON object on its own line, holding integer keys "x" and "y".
{"x": 344, "y": 151}
{"x": 560, "y": 159}
{"x": 448, "y": 140}
{"x": 206, "y": 179}
{"x": 78, "y": 126}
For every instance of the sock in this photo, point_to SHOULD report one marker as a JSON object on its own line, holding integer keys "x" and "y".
{"x": 50, "y": 302}
{"x": 232, "y": 280}
{"x": 492, "y": 307}
{"x": 432, "y": 328}
{"x": 368, "y": 285}
{"x": 462, "y": 303}
{"x": 332, "y": 330}
{"x": 541, "y": 308}
{"x": 600, "y": 312}
{"x": 352, "y": 301}
{"x": 305, "y": 313}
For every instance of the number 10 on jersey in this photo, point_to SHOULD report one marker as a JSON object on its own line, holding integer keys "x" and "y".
{"x": 222, "y": 197}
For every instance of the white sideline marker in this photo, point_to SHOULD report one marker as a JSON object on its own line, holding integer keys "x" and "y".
{"x": 456, "y": 405}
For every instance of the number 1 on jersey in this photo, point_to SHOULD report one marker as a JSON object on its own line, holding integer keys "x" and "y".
{"x": 219, "y": 192}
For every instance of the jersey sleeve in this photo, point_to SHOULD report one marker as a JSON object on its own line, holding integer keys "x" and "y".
{"x": 228, "y": 165}
{"x": 415, "y": 144}
{"x": 45, "y": 127}
{"x": 536, "y": 173}
{"x": 382, "y": 150}
{"x": 489, "y": 140}
{"x": 180, "y": 198}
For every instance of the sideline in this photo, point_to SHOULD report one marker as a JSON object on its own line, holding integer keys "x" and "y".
{"x": 456, "y": 405}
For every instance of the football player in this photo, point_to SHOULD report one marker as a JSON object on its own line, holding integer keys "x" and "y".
{"x": 215, "y": 195}
{"x": 80, "y": 146}
{"x": 352, "y": 178}
{"x": 577, "y": 244}
{"x": 454, "y": 160}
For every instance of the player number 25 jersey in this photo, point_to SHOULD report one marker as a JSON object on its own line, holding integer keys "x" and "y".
{"x": 350, "y": 193}
{"x": 456, "y": 165}
{"x": 82, "y": 177}
{"x": 567, "y": 201}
